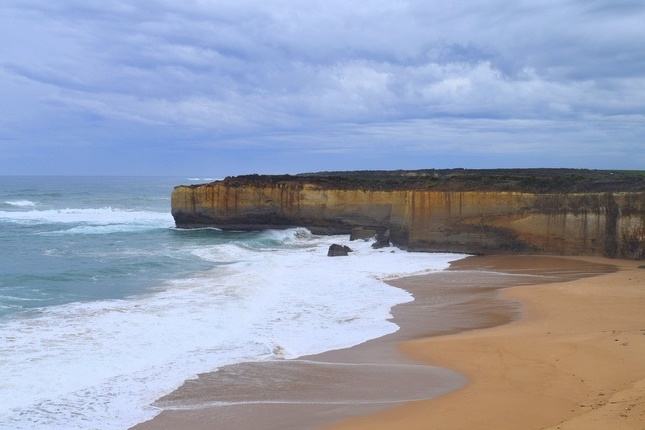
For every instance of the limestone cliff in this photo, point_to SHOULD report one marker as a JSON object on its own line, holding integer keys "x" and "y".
{"x": 554, "y": 212}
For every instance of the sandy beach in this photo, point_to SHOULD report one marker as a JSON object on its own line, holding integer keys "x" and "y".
{"x": 496, "y": 342}
{"x": 576, "y": 360}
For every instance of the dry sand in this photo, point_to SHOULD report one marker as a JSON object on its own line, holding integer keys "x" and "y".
{"x": 576, "y": 359}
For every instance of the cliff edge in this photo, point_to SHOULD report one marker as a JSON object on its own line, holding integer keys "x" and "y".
{"x": 548, "y": 211}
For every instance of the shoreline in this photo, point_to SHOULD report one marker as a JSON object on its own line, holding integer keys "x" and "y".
{"x": 469, "y": 300}
{"x": 573, "y": 362}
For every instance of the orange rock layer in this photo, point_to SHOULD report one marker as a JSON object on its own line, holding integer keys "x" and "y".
{"x": 609, "y": 224}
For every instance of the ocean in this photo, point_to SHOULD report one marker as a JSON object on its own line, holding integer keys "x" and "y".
{"x": 105, "y": 306}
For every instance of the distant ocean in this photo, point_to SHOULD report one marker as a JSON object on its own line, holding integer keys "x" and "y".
{"x": 105, "y": 306}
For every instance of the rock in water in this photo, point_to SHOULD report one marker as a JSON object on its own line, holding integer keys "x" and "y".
{"x": 382, "y": 240}
{"x": 336, "y": 250}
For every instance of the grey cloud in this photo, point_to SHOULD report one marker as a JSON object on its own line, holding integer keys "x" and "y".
{"x": 240, "y": 70}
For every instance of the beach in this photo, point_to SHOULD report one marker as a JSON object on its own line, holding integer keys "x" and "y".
{"x": 513, "y": 342}
{"x": 574, "y": 361}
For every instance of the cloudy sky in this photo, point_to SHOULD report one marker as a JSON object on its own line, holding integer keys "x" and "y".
{"x": 220, "y": 87}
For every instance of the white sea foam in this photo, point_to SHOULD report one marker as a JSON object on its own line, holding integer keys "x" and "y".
{"x": 112, "y": 228}
{"x": 93, "y": 220}
{"x": 20, "y": 203}
{"x": 100, "y": 364}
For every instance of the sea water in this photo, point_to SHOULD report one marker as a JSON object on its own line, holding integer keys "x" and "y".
{"x": 105, "y": 306}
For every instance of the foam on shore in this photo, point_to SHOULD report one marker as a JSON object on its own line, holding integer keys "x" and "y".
{"x": 101, "y": 364}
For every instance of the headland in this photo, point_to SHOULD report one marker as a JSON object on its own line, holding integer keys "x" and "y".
{"x": 500, "y": 211}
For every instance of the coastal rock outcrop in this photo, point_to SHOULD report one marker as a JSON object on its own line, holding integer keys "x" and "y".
{"x": 336, "y": 250}
{"x": 382, "y": 240}
{"x": 565, "y": 212}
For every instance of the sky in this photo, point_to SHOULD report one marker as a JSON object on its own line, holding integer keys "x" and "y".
{"x": 226, "y": 87}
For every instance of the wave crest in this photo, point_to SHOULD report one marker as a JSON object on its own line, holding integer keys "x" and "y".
{"x": 20, "y": 203}
{"x": 292, "y": 235}
{"x": 91, "y": 221}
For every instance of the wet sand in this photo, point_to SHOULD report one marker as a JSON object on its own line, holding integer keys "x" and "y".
{"x": 380, "y": 383}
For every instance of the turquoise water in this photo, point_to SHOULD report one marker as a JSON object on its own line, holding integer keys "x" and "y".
{"x": 78, "y": 239}
{"x": 105, "y": 306}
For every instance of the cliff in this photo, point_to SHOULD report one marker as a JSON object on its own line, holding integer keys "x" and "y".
{"x": 550, "y": 211}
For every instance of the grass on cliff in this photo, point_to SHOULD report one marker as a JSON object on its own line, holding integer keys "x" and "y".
{"x": 520, "y": 180}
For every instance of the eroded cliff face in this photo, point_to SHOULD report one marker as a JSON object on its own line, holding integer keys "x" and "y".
{"x": 608, "y": 223}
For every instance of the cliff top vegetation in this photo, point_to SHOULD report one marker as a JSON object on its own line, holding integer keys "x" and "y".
{"x": 520, "y": 180}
